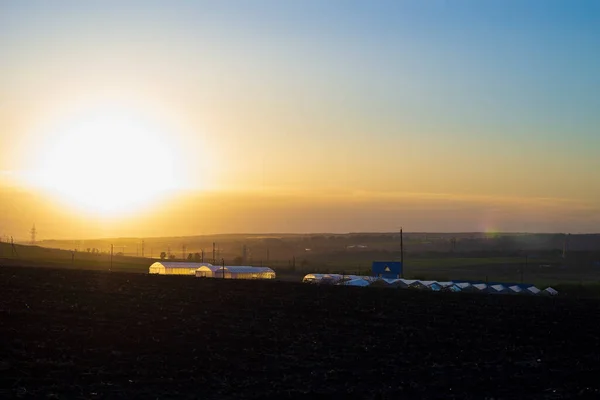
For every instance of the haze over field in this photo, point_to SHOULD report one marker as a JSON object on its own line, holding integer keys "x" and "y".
{"x": 148, "y": 118}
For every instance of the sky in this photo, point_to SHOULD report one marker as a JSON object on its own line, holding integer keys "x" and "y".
{"x": 183, "y": 117}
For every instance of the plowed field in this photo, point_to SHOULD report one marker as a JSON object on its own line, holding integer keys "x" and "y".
{"x": 84, "y": 334}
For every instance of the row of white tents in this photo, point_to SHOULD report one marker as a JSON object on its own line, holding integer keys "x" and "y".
{"x": 435, "y": 286}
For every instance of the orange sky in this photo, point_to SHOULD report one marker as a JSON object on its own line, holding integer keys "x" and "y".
{"x": 140, "y": 119}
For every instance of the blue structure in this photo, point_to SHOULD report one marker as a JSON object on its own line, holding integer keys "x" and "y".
{"x": 387, "y": 269}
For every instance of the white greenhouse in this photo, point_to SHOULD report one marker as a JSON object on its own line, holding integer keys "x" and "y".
{"x": 480, "y": 287}
{"x": 332, "y": 279}
{"x": 404, "y": 283}
{"x": 383, "y": 282}
{"x": 465, "y": 287}
{"x": 532, "y": 290}
{"x": 432, "y": 285}
{"x": 355, "y": 282}
{"x": 175, "y": 268}
{"x": 449, "y": 287}
{"x": 207, "y": 271}
{"x": 549, "y": 292}
{"x": 399, "y": 284}
{"x": 420, "y": 285}
{"x": 244, "y": 272}
{"x": 497, "y": 289}
{"x": 515, "y": 289}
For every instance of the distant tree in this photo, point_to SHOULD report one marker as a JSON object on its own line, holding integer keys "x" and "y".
{"x": 190, "y": 257}
{"x": 172, "y": 257}
{"x": 89, "y": 250}
{"x": 163, "y": 255}
{"x": 197, "y": 257}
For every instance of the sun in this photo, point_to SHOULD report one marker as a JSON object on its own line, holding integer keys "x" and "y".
{"x": 110, "y": 160}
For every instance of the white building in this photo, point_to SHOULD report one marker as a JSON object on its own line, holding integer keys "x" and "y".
{"x": 242, "y": 272}
{"x": 176, "y": 268}
{"x": 207, "y": 271}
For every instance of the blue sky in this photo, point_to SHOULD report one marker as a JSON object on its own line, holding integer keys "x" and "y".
{"x": 473, "y": 98}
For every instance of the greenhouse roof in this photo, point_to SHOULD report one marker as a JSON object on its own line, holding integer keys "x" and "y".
{"x": 173, "y": 264}
{"x": 356, "y": 282}
{"x": 245, "y": 269}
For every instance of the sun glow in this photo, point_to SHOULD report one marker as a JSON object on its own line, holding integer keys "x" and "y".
{"x": 109, "y": 160}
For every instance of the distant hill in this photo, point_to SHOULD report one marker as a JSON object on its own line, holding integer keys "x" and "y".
{"x": 22, "y": 255}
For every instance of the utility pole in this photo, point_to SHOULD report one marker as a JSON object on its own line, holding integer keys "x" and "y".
{"x": 565, "y": 246}
{"x": 13, "y": 247}
{"x": 142, "y": 248}
{"x": 523, "y": 268}
{"x": 183, "y": 252}
{"x": 214, "y": 259}
{"x": 111, "y": 257}
{"x": 402, "y": 252}
{"x": 202, "y": 255}
{"x": 33, "y": 234}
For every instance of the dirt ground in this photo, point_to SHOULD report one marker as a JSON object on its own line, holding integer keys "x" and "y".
{"x": 97, "y": 335}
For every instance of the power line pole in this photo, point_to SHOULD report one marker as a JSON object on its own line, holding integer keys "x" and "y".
{"x": 402, "y": 252}
{"x": 142, "y": 248}
{"x": 13, "y": 247}
{"x": 33, "y": 234}
{"x": 183, "y": 252}
{"x": 111, "y": 257}
{"x": 214, "y": 259}
{"x": 523, "y": 269}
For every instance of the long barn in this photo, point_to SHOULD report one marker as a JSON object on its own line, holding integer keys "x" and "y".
{"x": 241, "y": 272}
{"x": 177, "y": 268}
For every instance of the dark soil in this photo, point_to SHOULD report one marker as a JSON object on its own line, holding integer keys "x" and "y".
{"x": 84, "y": 334}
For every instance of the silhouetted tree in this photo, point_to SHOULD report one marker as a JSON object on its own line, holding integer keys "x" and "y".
{"x": 172, "y": 257}
{"x": 190, "y": 257}
{"x": 163, "y": 255}
{"x": 197, "y": 257}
